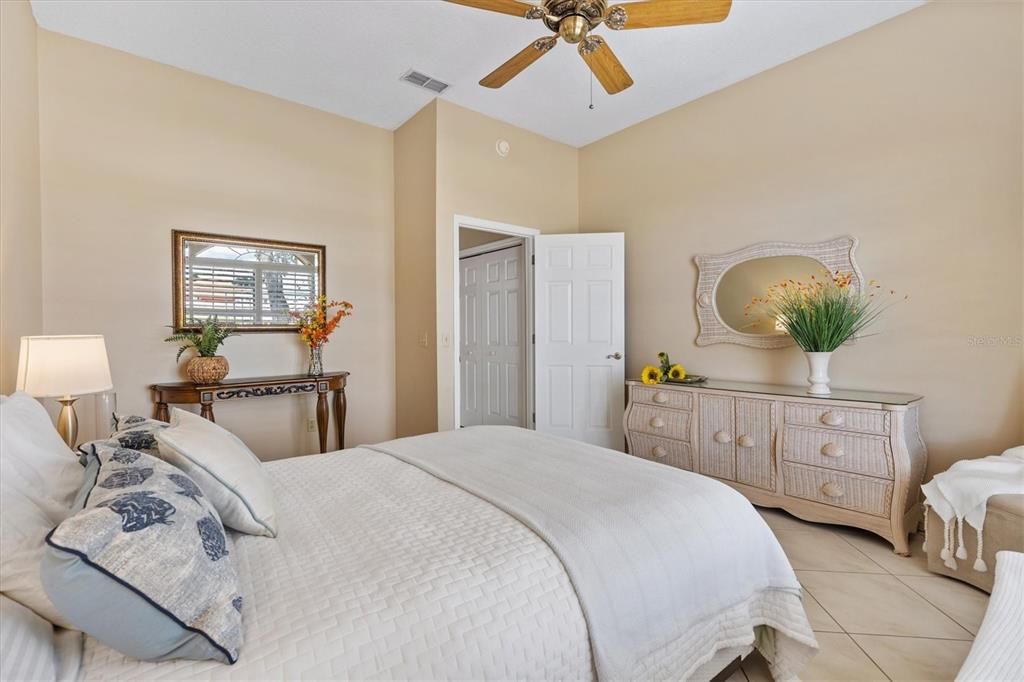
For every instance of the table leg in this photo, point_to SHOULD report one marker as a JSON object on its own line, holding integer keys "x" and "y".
{"x": 321, "y": 419}
{"x": 207, "y": 411}
{"x": 340, "y": 408}
{"x": 161, "y": 412}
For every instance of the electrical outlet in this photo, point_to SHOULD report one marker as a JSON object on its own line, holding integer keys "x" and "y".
{"x": 310, "y": 425}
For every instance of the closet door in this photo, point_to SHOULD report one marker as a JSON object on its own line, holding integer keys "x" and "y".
{"x": 755, "y": 438}
{"x": 493, "y": 353}
{"x": 717, "y": 439}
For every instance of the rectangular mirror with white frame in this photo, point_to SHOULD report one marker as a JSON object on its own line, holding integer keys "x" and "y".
{"x": 252, "y": 285}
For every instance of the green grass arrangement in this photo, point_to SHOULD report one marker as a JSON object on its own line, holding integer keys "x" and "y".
{"x": 825, "y": 312}
{"x": 210, "y": 336}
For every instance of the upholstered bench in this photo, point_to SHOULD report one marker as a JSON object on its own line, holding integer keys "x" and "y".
{"x": 1004, "y": 529}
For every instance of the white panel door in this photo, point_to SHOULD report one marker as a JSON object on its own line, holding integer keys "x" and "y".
{"x": 579, "y": 287}
{"x": 492, "y": 315}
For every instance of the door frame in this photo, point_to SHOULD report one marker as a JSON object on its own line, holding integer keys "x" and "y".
{"x": 526, "y": 234}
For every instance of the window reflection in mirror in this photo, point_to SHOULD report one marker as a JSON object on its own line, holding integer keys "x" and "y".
{"x": 250, "y": 284}
{"x": 749, "y": 279}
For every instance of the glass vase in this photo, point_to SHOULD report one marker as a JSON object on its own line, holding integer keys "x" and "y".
{"x": 316, "y": 361}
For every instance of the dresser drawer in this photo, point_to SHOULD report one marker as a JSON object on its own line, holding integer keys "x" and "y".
{"x": 840, "y": 450}
{"x": 658, "y": 421}
{"x": 863, "y": 494}
{"x": 845, "y": 418}
{"x": 662, "y": 397}
{"x": 663, "y": 450}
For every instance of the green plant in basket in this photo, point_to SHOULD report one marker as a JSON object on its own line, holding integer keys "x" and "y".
{"x": 206, "y": 340}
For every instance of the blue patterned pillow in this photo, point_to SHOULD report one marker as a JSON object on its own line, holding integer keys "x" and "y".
{"x": 145, "y": 566}
{"x": 130, "y": 431}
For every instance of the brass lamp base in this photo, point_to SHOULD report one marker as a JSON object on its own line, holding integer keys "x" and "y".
{"x": 67, "y": 422}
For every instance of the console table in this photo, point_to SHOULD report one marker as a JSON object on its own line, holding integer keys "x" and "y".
{"x": 205, "y": 395}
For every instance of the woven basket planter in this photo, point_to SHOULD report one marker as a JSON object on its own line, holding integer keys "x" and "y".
{"x": 207, "y": 370}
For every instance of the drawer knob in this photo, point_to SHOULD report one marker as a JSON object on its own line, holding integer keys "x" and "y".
{"x": 832, "y": 450}
{"x": 660, "y": 398}
{"x": 659, "y": 451}
{"x": 832, "y": 418}
{"x": 830, "y": 489}
{"x": 745, "y": 441}
{"x": 657, "y": 423}
{"x": 723, "y": 437}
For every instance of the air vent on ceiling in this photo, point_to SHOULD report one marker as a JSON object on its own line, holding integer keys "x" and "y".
{"x": 424, "y": 81}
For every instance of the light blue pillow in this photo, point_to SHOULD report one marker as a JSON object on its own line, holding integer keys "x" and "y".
{"x": 145, "y": 566}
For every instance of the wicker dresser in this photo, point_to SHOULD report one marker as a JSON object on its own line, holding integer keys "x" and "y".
{"x": 853, "y": 458}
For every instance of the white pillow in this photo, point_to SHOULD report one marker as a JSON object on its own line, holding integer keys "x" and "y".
{"x": 39, "y": 477}
{"x": 27, "y": 647}
{"x": 228, "y": 473}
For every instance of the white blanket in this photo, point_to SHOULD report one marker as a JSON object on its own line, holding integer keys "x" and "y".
{"x": 383, "y": 571}
{"x": 998, "y": 650}
{"x": 960, "y": 494}
{"x": 661, "y": 559}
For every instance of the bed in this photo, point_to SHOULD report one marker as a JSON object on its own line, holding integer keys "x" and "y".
{"x": 495, "y": 552}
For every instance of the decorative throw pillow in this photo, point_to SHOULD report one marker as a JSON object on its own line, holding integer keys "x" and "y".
{"x": 145, "y": 566}
{"x": 226, "y": 470}
{"x": 130, "y": 431}
{"x": 39, "y": 477}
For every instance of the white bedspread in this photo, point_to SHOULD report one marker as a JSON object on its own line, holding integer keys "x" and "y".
{"x": 657, "y": 556}
{"x": 383, "y": 571}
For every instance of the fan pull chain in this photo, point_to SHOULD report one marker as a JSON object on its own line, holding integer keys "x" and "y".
{"x": 591, "y": 90}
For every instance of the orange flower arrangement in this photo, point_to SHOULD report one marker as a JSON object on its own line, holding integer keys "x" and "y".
{"x": 315, "y": 328}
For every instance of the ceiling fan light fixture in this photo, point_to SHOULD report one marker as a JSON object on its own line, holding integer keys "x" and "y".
{"x": 573, "y": 28}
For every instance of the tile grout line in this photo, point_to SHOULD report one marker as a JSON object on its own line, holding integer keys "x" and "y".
{"x": 936, "y": 606}
{"x": 876, "y": 663}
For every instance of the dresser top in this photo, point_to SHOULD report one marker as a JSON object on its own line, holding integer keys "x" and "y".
{"x": 800, "y": 392}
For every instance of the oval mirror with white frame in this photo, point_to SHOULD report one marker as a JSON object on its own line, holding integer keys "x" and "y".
{"x": 728, "y": 282}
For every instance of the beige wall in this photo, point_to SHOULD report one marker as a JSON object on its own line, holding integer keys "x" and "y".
{"x": 131, "y": 149}
{"x": 536, "y": 185}
{"x": 468, "y": 238}
{"x": 415, "y": 324}
{"x": 907, "y": 136}
{"x": 20, "y": 248}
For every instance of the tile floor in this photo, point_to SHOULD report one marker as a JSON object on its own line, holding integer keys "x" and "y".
{"x": 877, "y": 615}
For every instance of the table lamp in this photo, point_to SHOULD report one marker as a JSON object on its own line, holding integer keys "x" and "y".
{"x": 64, "y": 367}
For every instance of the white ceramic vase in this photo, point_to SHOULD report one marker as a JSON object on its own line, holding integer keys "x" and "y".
{"x": 818, "y": 362}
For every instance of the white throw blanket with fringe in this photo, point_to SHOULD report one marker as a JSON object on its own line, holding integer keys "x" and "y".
{"x": 960, "y": 495}
{"x": 669, "y": 566}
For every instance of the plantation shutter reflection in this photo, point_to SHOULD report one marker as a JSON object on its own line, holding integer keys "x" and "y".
{"x": 247, "y": 284}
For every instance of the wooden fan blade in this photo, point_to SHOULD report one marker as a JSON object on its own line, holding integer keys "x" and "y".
{"x": 514, "y": 7}
{"x": 513, "y": 67}
{"x": 605, "y": 65}
{"x": 655, "y": 13}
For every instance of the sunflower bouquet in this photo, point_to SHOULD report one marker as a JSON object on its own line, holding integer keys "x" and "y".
{"x": 663, "y": 372}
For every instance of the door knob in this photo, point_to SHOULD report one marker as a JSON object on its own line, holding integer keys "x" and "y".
{"x": 745, "y": 441}
{"x": 723, "y": 437}
{"x": 615, "y": 356}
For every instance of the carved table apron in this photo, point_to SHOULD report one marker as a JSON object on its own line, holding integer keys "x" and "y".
{"x": 206, "y": 395}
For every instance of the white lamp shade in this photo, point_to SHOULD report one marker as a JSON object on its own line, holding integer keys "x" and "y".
{"x": 63, "y": 366}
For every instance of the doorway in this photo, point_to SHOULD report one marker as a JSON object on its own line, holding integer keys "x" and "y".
{"x": 538, "y": 331}
{"x": 492, "y": 329}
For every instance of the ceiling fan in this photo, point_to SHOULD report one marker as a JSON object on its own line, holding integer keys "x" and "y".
{"x": 573, "y": 20}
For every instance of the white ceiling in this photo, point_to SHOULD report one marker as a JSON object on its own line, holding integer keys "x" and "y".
{"x": 346, "y": 56}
